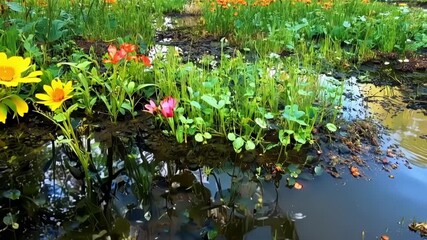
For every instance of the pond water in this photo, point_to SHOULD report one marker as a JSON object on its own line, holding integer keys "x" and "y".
{"x": 230, "y": 202}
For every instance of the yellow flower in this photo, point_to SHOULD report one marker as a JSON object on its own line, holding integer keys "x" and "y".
{"x": 15, "y": 103}
{"x": 56, "y": 94}
{"x": 11, "y": 70}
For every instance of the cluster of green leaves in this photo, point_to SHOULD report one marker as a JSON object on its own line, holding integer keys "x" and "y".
{"x": 119, "y": 88}
{"x": 353, "y": 26}
{"x": 243, "y": 101}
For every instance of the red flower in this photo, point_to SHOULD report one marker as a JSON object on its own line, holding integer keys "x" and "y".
{"x": 115, "y": 56}
{"x": 167, "y": 107}
{"x": 151, "y": 108}
{"x": 128, "y": 47}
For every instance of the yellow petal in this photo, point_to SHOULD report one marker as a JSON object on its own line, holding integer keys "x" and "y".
{"x": 3, "y": 108}
{"x": 55, "y": 105}
{"x": 3, "y": 57}
{"x": 26, "y": 80}
{"x": 35, "y": 74}
{"x": 9, "y": 83}
{"x": 19, "y": 64}
{"x": 48, "y": 89}
{"x": 68, "y": 88}
{"x": 43, "y": 97}
{"x": 56, "y": 83}
{"x": 21, "y": 105}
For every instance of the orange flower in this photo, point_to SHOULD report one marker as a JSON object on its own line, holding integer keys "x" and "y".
{"x": 128, "y": 47}
{"x": 115, "y": 56}
{"x": 145, "y": 60}
{"x": 327, "y": 5}
{"x": 110, "y": 1}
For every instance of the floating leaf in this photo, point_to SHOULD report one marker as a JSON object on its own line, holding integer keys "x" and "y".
{"x": 318, "y": 170}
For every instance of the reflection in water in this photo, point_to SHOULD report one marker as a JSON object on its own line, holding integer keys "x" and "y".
{"x": 407, "y": 127}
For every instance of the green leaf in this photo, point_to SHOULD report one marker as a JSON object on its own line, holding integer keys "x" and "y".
{"x": 238, "y": 144}
{"x": 195, "y": 104}
{"x": 300, "y": 138}
{"x": 231, "y": 136}
{"x": 92, "y": 101}
{"x": 199, "y": 137}
{"x": 12, "y": 194}
{"x": 182, "y": 119}
{"x": 212, "y": 234}
{"x": 179, "y": 134}
{"x": 210, "y": 100}
{"x": 207, "y": 135}
{"x": 331, "y": 127}
{"x": 130, "y": 87}
{"x": 346, "y": 24}
{"x": 192, "y": 131}
{"x": 291, "y": 182}
{"x": 293, "y": 167}
{"x": 261, "y": 123}
{"x": 284, "y": 140}
{"x": 250, "y": 145}
{"x": 269, "y": 115}
{"x": 59, "y": 117}
{"x": 126, "y": 106}
{"x": 16, "y": 7}
{"x": 9, "y": 219}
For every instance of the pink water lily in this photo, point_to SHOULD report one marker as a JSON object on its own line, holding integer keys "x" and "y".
{"x": 167, "y": 106}
{"x": 151, "y": 108}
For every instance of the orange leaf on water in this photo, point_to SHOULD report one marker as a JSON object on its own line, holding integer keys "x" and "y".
{"x": 354, "y": 171}
{"x": 298, "y": 186}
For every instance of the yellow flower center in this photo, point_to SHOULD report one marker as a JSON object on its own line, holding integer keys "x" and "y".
{"x": 6, "y": 73}
{"x": 58, "y": 95}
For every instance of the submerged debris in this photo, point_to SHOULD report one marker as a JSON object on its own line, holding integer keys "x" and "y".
{"x": 420, "y": 227}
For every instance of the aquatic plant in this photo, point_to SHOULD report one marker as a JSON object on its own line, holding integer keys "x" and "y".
{"x": 356, "y": 27}
{"x": 120, "y": 90}
{"x": 242, "y": 101}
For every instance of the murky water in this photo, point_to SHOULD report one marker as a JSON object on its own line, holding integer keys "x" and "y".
{"x": 408, "y": 127}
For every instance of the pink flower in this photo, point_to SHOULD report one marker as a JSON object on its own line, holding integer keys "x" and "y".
{"x": 151, "y": 108}
{"x": 167, "y": 106}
